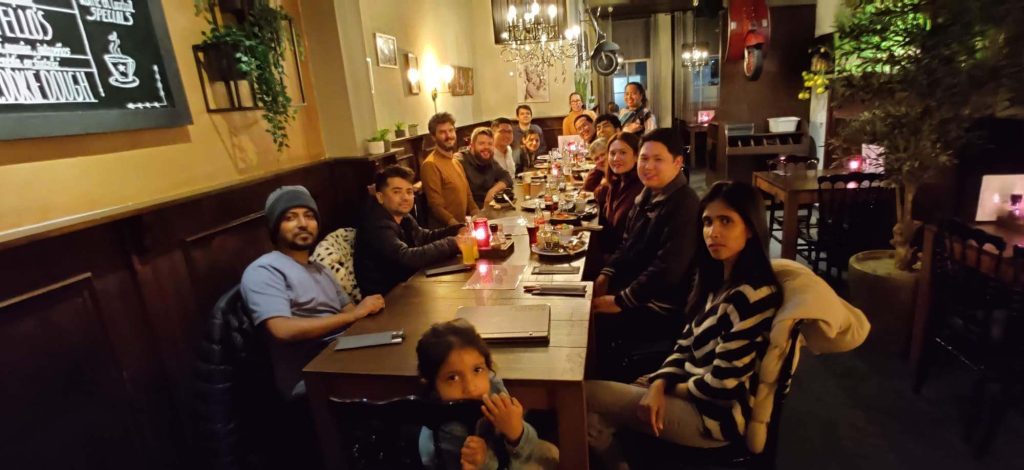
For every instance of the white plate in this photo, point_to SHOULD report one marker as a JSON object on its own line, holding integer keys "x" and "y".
{"x": 558, "y": 254}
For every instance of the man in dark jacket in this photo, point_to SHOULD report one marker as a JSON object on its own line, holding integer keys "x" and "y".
{"x": 390, "y": 245}
{"x": 643, "y": 290}
{"x": 486, "y": 178}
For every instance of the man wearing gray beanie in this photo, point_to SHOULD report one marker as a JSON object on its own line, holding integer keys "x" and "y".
{"x": 298, "y": 301}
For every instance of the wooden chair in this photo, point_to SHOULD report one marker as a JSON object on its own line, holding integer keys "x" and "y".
{"x": 385, "y": 434}
{"x": 855, "y": 213}
{"x": 805, "y": 213}
{"x": 979, "y": 319}
{"x": 647, "y": 452}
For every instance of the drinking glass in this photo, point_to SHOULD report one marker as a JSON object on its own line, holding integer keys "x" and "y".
{"x": 531, "y": 230}
{"x": 467, "y": 246}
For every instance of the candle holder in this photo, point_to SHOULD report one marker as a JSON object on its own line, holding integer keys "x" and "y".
{"x": 482, "y": 233}
{"x": 855, "y": 164}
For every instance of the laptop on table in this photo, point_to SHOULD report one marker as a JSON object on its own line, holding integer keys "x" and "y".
{"x": 510, "y": 323}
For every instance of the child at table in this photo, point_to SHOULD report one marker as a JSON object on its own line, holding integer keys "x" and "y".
{"x": 455, "y": 364}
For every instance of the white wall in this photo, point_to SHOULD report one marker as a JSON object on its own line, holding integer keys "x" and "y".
{"x": 825, "y": 16}
{"x": 824, "y": 23}
{"x": 455, "y": 32}
{"x": 496, "y": 85}
{"x": 660, "y": 74}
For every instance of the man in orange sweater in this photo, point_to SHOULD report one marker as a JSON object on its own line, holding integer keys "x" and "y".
{"x": 444, "y": 180}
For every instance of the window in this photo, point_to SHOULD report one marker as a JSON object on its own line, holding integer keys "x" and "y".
{"x": 631, "y": 71}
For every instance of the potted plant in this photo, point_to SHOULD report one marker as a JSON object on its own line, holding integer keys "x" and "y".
{"x": 399, "y": 130}
{"x": 253, "y": 49}
{"x": 923, "y": 71}
{"x": 375, "y": 144}
{"x": 414, "y": 130}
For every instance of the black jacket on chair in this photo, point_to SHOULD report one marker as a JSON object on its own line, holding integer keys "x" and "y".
{"x": 388, "y": 253}
{"x": 233, "y": 378}
{"x": 653, "y": 269}
{"x": 243, "y": 423}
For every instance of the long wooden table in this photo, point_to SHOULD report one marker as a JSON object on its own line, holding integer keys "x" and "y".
{"x": 541, "y": 377}
{"x": 792, "y": 190}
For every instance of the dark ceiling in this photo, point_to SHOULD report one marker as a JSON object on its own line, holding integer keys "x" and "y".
{"x": 625, "y": 9}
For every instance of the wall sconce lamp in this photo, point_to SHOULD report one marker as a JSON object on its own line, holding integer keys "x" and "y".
{"x": 445, "y": 74}
{"x": 436, "y": 78}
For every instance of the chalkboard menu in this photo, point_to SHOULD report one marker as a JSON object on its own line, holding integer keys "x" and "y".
{"x": 85, "y": 66}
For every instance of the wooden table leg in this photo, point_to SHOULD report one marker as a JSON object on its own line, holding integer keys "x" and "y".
{"x": 572, "y": 426}
{"x": 330, "y": 440}
{"x": 789, "y": 226}
{"x": 922, "y": 304}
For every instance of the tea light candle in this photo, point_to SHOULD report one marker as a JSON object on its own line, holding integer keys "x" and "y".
{"x": 481, "y": 232}
{"x": 854, "y": 163}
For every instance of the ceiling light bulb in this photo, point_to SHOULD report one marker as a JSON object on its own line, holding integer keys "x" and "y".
{"x": 552, "y": 11}
{"x": 512, "y": 12}
{"x": 535, "y": 8}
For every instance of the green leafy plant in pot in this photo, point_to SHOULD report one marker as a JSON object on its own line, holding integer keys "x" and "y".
{"x": 254, "y": 49}
{"x": 399, "y": 130}
{"x": 376, "y": 144}
{"x": 923, "y": 71}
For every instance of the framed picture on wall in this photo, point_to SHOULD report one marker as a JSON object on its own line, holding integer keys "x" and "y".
{"x": 387, "y": 50}
{"x": 462, "y": 82}
{"x": 532, "y": 84}
{"x": 412, "y": 63}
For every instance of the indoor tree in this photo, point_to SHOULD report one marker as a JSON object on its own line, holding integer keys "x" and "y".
{"x": 923, "y": 71}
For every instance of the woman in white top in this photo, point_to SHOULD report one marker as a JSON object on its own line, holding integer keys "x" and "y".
{"x": 636, "y": 117}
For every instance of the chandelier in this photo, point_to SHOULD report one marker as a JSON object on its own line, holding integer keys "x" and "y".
{"x": 533, "y": 38}
{"x": 694, "y": 56}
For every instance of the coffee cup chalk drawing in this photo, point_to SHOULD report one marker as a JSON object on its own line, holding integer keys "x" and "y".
{"x": 122, "y": 67}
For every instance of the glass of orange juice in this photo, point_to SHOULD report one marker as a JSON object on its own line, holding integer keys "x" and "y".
{"x": 467, "y": 245}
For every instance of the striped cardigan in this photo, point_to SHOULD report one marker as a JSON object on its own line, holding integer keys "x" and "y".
{"x": 718, "y": 355}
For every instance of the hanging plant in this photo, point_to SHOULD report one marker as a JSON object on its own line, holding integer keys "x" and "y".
{"x": 582, "y": 84}
{"x": 258, "y": 45}
{"x": 817, "y": 79}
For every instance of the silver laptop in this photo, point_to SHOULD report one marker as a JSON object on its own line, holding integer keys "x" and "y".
{"x": 510, "y": 323}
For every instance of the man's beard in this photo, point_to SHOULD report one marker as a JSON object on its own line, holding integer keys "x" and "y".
{"x": 479, "y": 156}
{"x": 295, "y": 244}
{"x": 447, "y": 148}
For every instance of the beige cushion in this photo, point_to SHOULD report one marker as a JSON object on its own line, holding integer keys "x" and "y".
{"x": 337, "y": 253}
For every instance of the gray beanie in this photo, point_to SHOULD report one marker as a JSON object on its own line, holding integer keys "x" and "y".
{"x": 283, "y": 199}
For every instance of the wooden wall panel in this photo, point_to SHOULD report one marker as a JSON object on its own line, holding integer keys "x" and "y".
{"x": 99, "y": 327}
{"x": 62, "y": 382}
{"x": 552, "y": 128}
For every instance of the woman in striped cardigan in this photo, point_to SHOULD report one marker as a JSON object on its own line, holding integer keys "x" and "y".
{"x": 702, "y": 394}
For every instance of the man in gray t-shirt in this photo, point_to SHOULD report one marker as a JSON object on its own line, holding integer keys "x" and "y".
{"x": 298, "y": 301}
